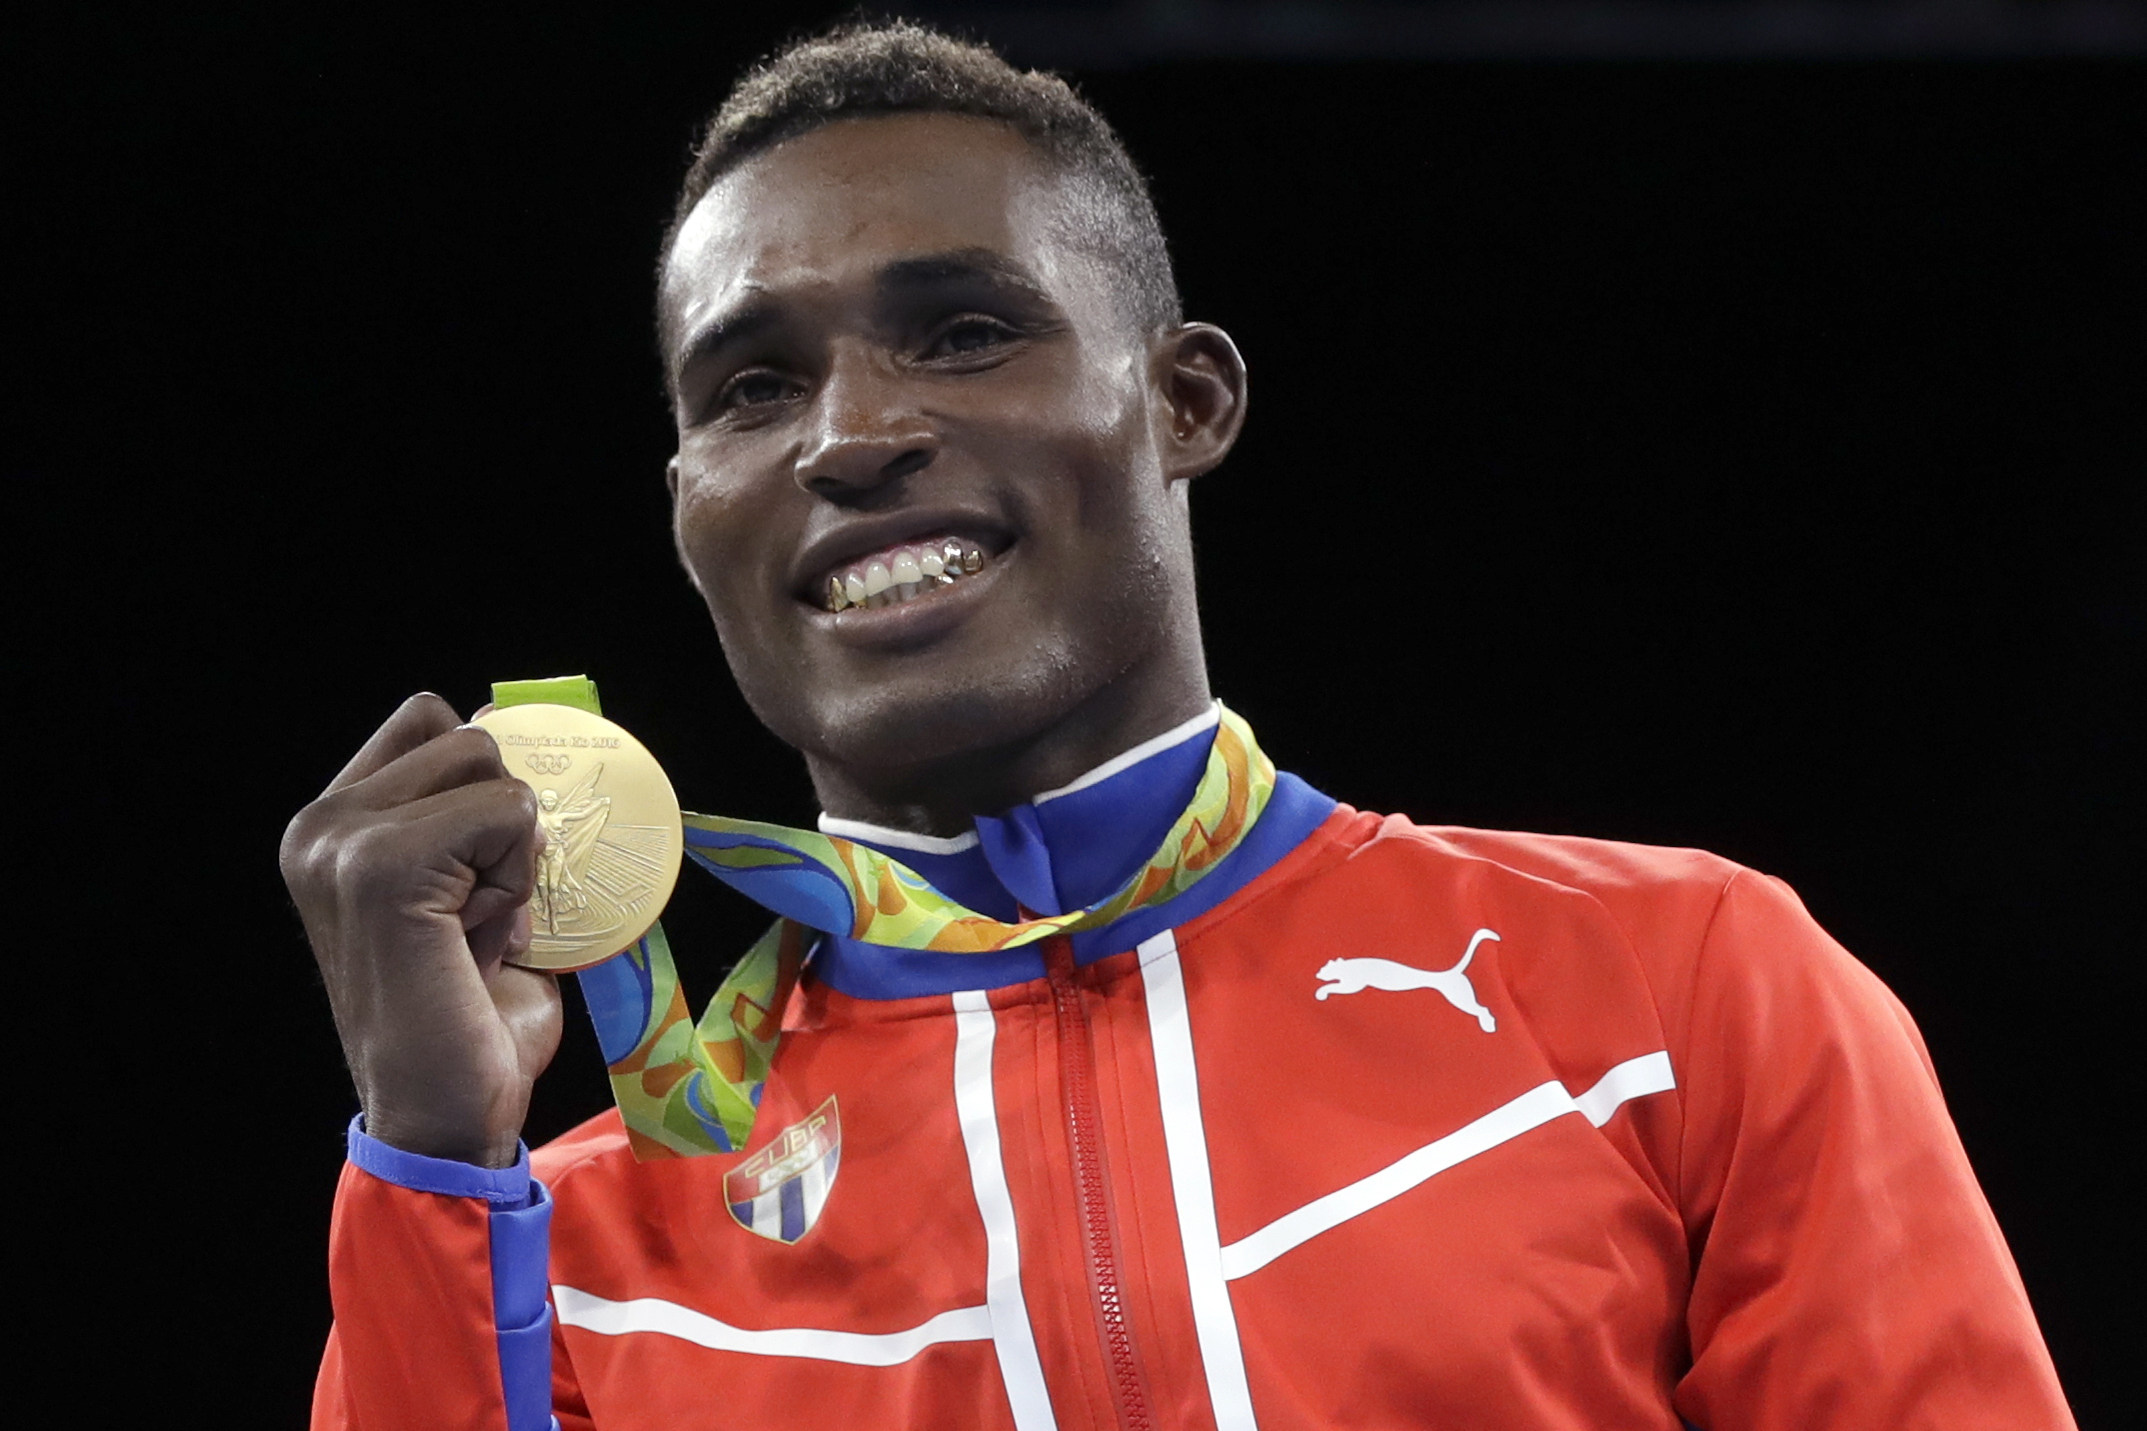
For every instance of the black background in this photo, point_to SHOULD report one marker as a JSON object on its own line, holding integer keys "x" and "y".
{"x": 1740, "y": 455}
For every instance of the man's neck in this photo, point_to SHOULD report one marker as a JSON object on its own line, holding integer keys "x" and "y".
{"x": 945, "y": 797}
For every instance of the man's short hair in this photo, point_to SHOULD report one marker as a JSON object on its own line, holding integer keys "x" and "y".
{"x": 901, "y": 67}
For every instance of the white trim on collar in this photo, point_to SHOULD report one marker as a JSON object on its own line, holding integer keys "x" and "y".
{"x": 899, "y": 839}
{"x": 955, "y": 844}
{"x": 1155, "y": 745}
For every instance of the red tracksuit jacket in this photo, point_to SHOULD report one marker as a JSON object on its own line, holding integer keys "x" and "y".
{"x": 1659, "y": 1152}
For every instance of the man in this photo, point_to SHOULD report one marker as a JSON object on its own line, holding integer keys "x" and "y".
{"x": 1241, "y": 1107}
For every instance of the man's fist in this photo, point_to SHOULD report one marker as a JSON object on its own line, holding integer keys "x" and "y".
{"x": 413, "y": 873}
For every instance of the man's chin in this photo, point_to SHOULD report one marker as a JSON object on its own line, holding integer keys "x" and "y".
{"x": 934, "y": 724}
{"x": 931, "y": 735}
{"x": 1007, "y": 693}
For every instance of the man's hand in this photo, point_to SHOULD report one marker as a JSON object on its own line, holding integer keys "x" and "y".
{"x": 413, "y": 873}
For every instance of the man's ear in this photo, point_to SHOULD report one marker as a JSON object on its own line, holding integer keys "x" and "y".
{"x": 1201, "y": 379}
{"x": 678, "y": 545}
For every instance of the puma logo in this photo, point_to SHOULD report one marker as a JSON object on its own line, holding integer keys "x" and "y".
{"x": 1354, "y": 976}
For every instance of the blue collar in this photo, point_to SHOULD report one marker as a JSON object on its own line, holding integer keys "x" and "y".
{"x": 1065, "y": 850}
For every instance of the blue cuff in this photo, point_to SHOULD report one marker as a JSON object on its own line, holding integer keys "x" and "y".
{"x": 521, "y": 1247}
{"x": 504, "y": 1188}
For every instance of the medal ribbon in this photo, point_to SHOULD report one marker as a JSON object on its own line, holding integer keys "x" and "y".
{"x": 687, "y": 1088}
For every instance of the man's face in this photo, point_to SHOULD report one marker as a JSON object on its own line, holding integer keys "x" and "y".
{"x": 882, "y": 341}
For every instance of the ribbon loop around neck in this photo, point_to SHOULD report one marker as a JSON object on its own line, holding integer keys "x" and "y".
{"x": 687, "y": 1088}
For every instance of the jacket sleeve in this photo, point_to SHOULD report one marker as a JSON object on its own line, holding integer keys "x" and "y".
{"x": 437, "y": 1273}
{"x": 1848, "y": 1272}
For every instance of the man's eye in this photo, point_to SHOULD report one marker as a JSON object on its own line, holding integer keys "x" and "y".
{"x": 969, "y": 335}
{"x": 751, "y": 389}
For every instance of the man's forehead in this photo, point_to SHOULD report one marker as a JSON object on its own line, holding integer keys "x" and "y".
{"x": 836, "y": 207}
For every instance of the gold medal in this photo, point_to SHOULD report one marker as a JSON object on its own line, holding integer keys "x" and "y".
{"x": 613, "y": 840}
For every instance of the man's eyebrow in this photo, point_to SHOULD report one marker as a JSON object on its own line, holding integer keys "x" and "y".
{"x": 755, "y": 315}
{"x": 901, "y": 277}
{"x": 962, "y": 265}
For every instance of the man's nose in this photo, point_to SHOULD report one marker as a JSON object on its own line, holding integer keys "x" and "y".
{"x": 869, "y": 431}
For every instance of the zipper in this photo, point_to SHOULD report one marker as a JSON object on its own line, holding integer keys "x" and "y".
{"x": 1099, "y": 1233}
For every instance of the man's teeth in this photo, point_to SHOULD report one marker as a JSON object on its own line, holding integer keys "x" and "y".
{"x": 903, "y": 574}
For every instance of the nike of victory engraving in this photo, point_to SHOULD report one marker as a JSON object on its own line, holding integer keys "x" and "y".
{"x": 1354, "y": 976}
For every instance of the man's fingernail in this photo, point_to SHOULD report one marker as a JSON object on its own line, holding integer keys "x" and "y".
{"x": 525, "y": 928}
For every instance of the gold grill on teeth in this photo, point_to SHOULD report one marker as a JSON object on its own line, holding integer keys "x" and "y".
{"x": 909, "y": 572}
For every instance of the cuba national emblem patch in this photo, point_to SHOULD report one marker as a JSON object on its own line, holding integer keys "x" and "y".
{"x": 779, "y": 1191}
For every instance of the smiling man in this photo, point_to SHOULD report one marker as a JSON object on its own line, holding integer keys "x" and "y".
{"x": 1130, "y": 1083}
{"x": 927, "y": 336}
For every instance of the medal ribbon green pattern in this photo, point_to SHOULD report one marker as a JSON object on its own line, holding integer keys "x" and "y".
{"x": 687, "y": 1088}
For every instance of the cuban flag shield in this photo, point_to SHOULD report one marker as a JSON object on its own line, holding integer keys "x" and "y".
{"x": 779, "y": 1191}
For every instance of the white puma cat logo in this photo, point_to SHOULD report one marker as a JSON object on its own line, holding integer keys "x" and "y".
{"x": 1354, "y": 976}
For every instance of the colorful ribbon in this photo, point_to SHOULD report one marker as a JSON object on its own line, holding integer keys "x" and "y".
{"x": 684, "y": 1088}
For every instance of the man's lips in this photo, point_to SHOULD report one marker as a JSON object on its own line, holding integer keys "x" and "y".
{"x": 852, "y": 548}
{"x": 911, "y": 615}
{"x": 899, "y": 574}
